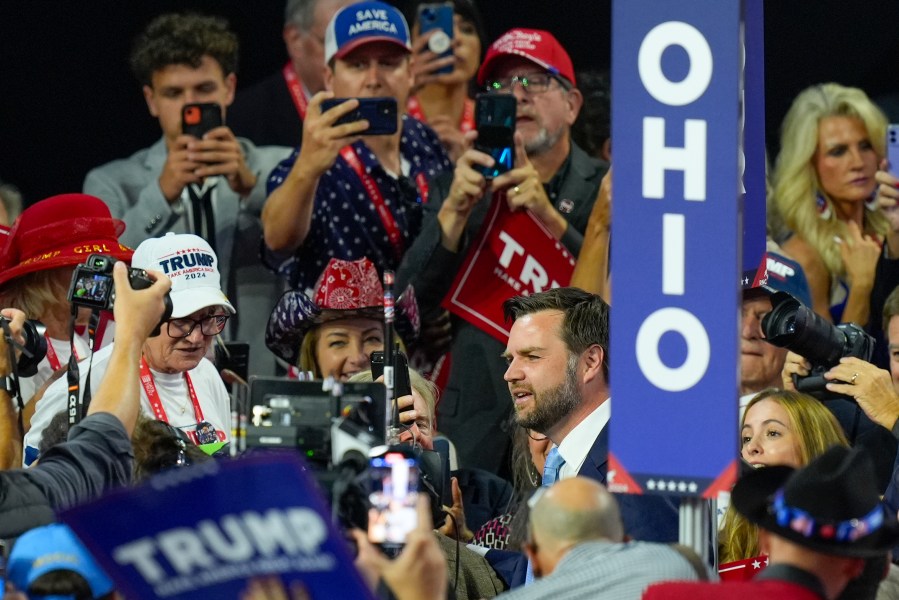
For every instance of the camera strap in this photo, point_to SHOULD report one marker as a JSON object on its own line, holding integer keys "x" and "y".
{"x": 77, "y": 404}
{"x": 16, "y": 390}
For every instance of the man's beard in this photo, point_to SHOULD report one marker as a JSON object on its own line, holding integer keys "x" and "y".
{"x": 542, "y": 142}
{"x": 552, "y": 405}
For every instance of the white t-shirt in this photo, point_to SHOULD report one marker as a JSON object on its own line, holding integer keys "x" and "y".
{"x": 172, "y": 390}
{"x": 63, "y": 350}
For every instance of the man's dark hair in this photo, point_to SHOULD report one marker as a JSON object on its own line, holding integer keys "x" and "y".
{"x": 183, "y": 39}
{"x": 61, "y": 582}
{"x": 158, "y": 446}
{"x": 585, "y": 321}
{"x": 56, "y": 432}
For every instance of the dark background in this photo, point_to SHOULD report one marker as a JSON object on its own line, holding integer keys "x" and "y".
{"x": 68, "y": 101}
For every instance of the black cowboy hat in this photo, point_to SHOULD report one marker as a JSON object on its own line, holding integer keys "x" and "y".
{"x": 831, "y": 506}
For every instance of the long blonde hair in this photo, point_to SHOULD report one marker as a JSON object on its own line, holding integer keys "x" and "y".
{"x": 796, "y": 183}
{"x": 816, "y": 430}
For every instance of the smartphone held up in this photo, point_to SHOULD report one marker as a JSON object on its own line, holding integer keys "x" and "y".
{"x": 393, "y": 496}
{"x": 892, "y": 212}
{"x": 381, "y": 114}
{"x": 198, "y": 119}
{"x": 495, "y": 122}
{"x": 439, "y": 19}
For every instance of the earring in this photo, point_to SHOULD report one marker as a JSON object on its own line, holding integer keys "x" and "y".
{"x": 823, "y": 206}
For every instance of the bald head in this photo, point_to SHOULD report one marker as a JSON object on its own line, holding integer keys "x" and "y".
{"x": 573, "y": 511}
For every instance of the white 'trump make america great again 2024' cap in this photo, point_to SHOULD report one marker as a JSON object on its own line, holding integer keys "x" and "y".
{"x": 191, "y": 264}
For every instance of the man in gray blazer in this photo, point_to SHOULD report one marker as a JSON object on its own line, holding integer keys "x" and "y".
{"x": 213, "y": 184}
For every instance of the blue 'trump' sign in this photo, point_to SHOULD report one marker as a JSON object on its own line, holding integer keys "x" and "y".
{"x": 676, "y": 69}
{"x": 204, "y": 531}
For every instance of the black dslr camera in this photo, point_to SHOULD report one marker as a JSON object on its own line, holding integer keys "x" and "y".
{"x": 33, "y": 350}
{"x": 797, "y": 328}
{"x": 93, "y": 287}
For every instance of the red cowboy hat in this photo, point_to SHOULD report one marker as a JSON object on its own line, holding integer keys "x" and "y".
{"x": 346, "y": 289}
{"x": 60, "y": 231}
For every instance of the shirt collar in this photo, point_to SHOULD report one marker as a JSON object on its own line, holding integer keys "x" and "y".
{"x": 576, "y": 445}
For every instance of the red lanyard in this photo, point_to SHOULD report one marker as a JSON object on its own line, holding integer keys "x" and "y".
{"x": 374, "y": 193}
{"x": 413, "y": 107}
{"x": 467, "y": 123}
{"x": 53, "y": 358}
{"x": 296, "y": 89}
{"x": 146, "y": 380}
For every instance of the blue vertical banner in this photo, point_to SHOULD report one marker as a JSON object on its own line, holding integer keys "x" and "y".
{"x": 676, "y": 83}
{"x": 755, "y": 159}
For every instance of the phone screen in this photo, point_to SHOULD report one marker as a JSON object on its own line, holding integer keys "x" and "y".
{"x": 495, "y": 121}
{"x": 393, "y": 496}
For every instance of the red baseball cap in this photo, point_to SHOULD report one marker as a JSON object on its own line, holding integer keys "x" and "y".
{"x": 60, "y": 231}
{"x": 536, "y": 45}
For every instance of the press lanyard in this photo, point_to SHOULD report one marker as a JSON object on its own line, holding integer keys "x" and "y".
{"x": 413, "y": 107}
{"x": 296, "y": 90}
{"x": 53, "y": 358}
{"x": 374, "y": 193}
{"x": 146, "y": 380}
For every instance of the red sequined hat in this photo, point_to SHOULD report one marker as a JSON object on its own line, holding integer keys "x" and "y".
{"x": 60, "y": 231}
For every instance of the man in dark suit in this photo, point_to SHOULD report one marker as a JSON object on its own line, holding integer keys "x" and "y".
{"x": 552, "y": 178}
{"x": 558, "y": 375}
{"x": 817, "y": 525}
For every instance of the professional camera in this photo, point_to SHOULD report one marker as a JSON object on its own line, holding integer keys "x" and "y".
{"x": 93, "y": 287}
{"x": 33, "y": 350}
{"x": 797, "y": 328}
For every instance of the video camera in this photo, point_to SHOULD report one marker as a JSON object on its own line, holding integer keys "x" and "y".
{"x": 93, "y": 287}
{"x": 337, "y": 427}
{"x": 797, "y": 328}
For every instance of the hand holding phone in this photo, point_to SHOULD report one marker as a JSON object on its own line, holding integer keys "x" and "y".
{"x": 381, "y": 114}
{"x": 439, "y": 19}
{"x": 495, "y": 121}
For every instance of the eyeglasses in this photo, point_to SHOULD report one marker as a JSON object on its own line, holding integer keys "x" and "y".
{"x": 211, "y": 325}
{"x": 535, "y": 83}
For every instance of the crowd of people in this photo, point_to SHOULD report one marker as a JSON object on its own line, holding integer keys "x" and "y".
{"x": 283, "y": 224}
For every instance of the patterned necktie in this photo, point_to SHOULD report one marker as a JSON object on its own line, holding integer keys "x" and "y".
{"x": 554, "y": 462}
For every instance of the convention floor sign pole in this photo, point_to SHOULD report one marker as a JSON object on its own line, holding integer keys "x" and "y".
{"x": 676, "y": 252}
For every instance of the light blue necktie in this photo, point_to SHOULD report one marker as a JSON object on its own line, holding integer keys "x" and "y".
{"x": 554, "y": 462}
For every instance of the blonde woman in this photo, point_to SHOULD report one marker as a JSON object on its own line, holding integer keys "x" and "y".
{"x": 832, "y": 142}
{"x": 779, "y": 427}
